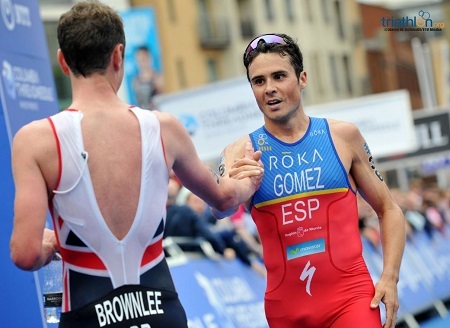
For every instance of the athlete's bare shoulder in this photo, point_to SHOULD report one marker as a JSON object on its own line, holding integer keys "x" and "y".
{"x": 163, "y": 117}
{"x": 34, "y": 145}
{"x": 38, "y": 132}
{"x": 345, "y": 130}
{"x": 348, "y": 141}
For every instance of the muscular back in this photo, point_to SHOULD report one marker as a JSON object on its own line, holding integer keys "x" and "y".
{"x": 113, "y": 143}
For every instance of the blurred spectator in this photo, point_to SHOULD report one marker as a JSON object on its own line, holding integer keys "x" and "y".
{"x": 148, "y": 82}
{"x": 246, "y": 229}
{"x": 434, "y": 219}
{"x": 412, "y": 211}
{"x": 232, "y": 236}
{"x": 182, "y": 221}
{"x": 444, "y": 204}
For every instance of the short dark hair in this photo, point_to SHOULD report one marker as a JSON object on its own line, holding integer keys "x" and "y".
{"x": 87, "y": 35}
{"x": 291, "y": 49}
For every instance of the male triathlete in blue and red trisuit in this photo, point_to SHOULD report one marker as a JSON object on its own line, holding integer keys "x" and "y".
{"x": 306, "y": 208}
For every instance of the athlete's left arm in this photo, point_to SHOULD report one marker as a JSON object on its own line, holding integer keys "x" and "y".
{"x": 370, "y": 184}
{"x": 32, "y": 245}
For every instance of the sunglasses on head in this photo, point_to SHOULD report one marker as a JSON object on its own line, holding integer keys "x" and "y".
{"x": 267, "y": 38}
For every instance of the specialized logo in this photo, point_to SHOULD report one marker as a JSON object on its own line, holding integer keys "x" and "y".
{"x": 307, "y": 248}
{"x": 8, "y": 79}
{"x": 14, "y": 14}
{"x": 308, "y": 273}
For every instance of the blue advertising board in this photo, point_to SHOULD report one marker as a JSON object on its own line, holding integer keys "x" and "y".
{"x": 27, "y": 93}
{"x": 423, "y": 274}
{"x": 222, "y": 293}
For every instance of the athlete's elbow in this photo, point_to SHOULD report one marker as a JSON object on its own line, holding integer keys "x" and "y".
{"x": 25, "y": 259}
{"x": 222, "y": 206}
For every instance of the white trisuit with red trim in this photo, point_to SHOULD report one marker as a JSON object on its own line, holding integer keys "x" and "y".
{"x": 110, "y": 282}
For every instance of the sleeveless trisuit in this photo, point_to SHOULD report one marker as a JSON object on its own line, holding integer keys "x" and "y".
{"x": 110, "y": 282}
{"x": 306, "y": 215}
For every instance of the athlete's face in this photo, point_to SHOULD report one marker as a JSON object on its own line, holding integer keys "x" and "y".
{"x": 276, "y": 87}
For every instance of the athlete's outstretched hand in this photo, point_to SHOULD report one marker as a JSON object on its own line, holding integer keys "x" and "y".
{"x": 248, "y": 166}
{"x": 386, "y": 292}
{"x": 49, "y": 245}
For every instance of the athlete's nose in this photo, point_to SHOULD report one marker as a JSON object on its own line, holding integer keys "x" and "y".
{"x": 270, "y": 87}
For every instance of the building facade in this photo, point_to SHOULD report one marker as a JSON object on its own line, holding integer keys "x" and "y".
{"x": 202, "y": 41}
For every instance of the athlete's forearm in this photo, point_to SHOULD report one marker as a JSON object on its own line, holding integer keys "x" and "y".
{"x": 393, "y": 235}
{"x": 223, "y": 214}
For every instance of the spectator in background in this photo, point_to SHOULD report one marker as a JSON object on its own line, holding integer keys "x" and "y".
{"x": 444, "y": 204}
{"x": 413, "y": 223}
{"x": 246, "y": 229}
{"x": 182, "y": 221}
{"x": 434, "y": 219}
{"x": 148, "y": 82}
{"x": 412, "y": 211}
{"x": 230, "y": 234}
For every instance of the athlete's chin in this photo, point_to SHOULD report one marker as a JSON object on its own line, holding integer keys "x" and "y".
{"x": 278, "y": 117}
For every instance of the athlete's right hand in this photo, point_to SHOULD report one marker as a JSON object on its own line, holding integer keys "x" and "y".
{"x": 250, "y": 166}
{"x": 49, "y": 245}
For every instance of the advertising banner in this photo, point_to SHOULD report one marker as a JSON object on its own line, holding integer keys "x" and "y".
{"x": 385, "y": 120}
{"x": 222, "y": 112}
{"x": 27, "y": 93}
{"x": 143, "y": 66}
{"x": 222, "y": 293}
{"x": 215, "y": 115}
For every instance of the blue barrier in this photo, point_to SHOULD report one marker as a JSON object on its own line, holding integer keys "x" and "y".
{"x": 222, "y": 293}
{"x": 424, "y": 274}
{"x": 27, "y": 93}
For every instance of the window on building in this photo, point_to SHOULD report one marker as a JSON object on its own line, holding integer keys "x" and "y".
{"x": 339, "y": 18}
{"x": 348, "y": 75}
{"x": 269, "y": 10}
{"x": 325, "y": 11}
{"x": 315, "y": 61}
{"x": 62, "y": 82}
{"x": 203, "y": 7}
{"x": 246, "y": 18}
{"x": 211, "y": 67}
{"x": 308, "y": 11}
{"x": 334, "y": 73}
{"x": 290, "y": 11}
{"x": 171, "y": 10}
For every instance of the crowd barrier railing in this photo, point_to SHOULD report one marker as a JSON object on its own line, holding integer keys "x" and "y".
{"x": 424, "y": 282}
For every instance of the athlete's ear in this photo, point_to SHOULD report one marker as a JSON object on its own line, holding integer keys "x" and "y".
{"x": 303, "y": 79}
{"x": 117, "y": 57}
{"x": 62, "y": 63}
